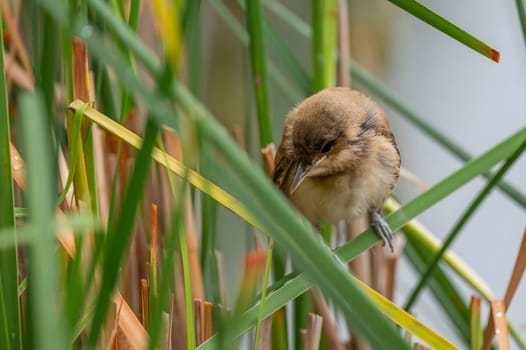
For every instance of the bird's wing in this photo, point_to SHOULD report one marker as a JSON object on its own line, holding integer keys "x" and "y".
{"x": 284, "y": 170}
{"x": 284, "y": 165}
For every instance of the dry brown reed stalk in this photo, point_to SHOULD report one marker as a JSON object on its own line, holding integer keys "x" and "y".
{"x": 112, "y": 341}
{"x": 199, "y": 313}
{"x": 312, "y": 335}
{"x": 133, "y": 330}
{"x": 344, "y": 45}
{"x": 237, "y": 134}
{"x": 145, "y": 302}
{"x": 222, "y": 277}
{"x": 268, "y": 153}
{"x": 265, "y": 335}
{"x": 134, "y": 270}
{"x": 516, "y": 275}
{"x": 80, "y": 70}
{"x": 391, "y": 264}
{"x": 153, "y": 249}
{"x": 413, "y": 179}
{"x": 378, "y": 268}
{"x": 208, "y": 320}
{"x": 173, "y": 148}
{"x": 169, "y": 333}
{"x": 101, "y": 173}
{"x": 253, "y": 267}
{"x": 361, "y": 265}
{"x": 330, "y": 328}
{"x": 474, "y": 310}
{"x": 16, "y": 74}
{"x": 202, "y": 321}
{"x": 16, "y": 39}
{"x": 498, "y": 315}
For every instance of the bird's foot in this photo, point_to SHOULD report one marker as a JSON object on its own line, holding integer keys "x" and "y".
{"x": 382, "y": 229}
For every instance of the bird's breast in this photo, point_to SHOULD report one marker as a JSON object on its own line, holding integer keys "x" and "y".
{"x": 347, "y": 196}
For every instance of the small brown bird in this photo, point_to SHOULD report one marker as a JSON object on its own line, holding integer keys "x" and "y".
{"x": 338, "y": 159}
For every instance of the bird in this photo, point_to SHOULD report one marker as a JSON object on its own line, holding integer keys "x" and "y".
{"x": 338, "y": 159}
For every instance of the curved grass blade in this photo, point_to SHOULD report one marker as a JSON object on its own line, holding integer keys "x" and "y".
{"x": 170, "y": 163}
{"x": 442, "y": 289}
{"x": 522, "y": 17}
{"x": 420, "y": 11}
{"x": 460, "y": 224}
{"x": 297, "y": 285}
{"x": 259, "y": 70}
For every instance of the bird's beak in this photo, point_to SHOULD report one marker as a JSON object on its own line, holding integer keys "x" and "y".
{"x": 302, "y": 172}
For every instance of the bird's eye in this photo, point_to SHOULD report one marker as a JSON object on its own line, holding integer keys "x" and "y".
{"x": 327, "y": 147}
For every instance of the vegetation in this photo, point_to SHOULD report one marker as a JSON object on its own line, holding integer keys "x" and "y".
{"x": 109, "y": 239}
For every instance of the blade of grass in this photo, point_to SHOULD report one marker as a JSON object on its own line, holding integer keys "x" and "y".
{"x": 522, "y": 17}
{"x": 259, "y": 70}
{"x": 329, "y": 42}
{"x": 442, "y": 289}
{"x": 48, "y": 63}
{"x": 190, "y": 336}
{"x": 10, "y": 321}
{"x": 423, "y": 13}
{"x": 43, "y": 281}
{"x": 192, "y": 33}
{"x": 119, "y": 237}
{"x": 317, "y": 10}
{"x": 461, "y": 222}
{"x": 258, "y": 60}
{"x": 475, "y": 329}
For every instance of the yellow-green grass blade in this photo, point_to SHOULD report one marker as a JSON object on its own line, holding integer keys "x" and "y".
{"x": 169, "y": 162}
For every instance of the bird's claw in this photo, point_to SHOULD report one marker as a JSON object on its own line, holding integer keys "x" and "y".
{"x": 382, "y": 229}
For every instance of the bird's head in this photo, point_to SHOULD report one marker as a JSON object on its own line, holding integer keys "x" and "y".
{"x": 331, "y": 133}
